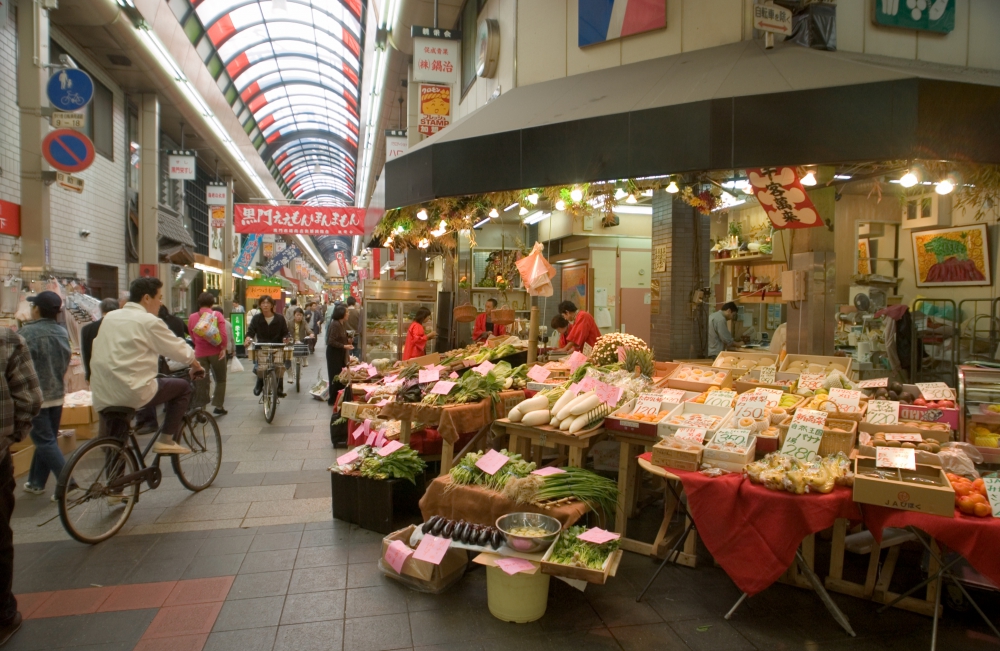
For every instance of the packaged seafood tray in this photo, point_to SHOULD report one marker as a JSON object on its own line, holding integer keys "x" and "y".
{"x": 699, "y": 378}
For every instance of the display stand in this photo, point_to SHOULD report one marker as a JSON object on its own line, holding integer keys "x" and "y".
{"x": 529, "y": 441}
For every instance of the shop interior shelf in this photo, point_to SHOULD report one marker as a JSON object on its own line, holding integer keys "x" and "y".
{"x": 494, "y": 289}
{"x": 755, "y": 298}
{"x": 748, "y": 259}
{"x": 979, "y": 417}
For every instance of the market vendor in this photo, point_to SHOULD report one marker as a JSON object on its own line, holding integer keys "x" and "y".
{"x": 719, "y": 337}
{"x": 561, "y": 325}
{"x": 416, "y": 336}
{"x": 583, "y": 330}
{"x": 484, "y": 325}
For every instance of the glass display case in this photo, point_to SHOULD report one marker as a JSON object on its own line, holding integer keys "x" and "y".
{"x": 979, "y": 409}
{"x": 389, "y": 307}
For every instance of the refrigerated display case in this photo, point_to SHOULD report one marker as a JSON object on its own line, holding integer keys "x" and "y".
{"x": 389, "y": 307}
{"x": 978, "y": 390}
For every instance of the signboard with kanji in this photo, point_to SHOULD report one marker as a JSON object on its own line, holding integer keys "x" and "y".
{"x": 299, "y": 220}
{"x": 768, "y": 17}
{"x": 435, "y": 60}
{"x": 923, "y": 15}
{"x": 783, "y": 198}
{"x": 435, "y": 108}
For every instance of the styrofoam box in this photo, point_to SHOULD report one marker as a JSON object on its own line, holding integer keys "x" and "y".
{"x": 743, "y": 386}
{"x": 665, "y": 429}
{"x": 689, "y": 385}
{"x": 642, "y": 429}
{"x": 932, "y": 414}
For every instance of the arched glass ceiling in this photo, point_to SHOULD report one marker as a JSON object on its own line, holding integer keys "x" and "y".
{"x": 296, "y": 66}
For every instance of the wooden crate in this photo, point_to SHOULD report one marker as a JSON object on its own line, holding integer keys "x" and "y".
{"x": 673, "y": 458}
{"x": 598, "y": 577}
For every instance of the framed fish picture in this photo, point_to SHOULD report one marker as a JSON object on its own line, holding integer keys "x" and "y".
{"x": 949, "y": 257}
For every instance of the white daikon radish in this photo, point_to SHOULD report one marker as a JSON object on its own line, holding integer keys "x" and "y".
{"x": 585, "y": 405}
{"x": 578, "y": 424}
{"x": 536, "y": 418}
{"x": 554, "y": 422}
{"x": 565, "y": 423}
{"x": 564, "y": 400}
{"x": 515, "y": 415}
{"x": 566, "y": 411}
{"x": 533, "y": 404}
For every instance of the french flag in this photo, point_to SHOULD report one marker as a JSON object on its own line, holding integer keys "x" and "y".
{"x": 605, "y": 20}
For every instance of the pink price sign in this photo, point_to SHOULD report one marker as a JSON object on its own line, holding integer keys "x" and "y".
{"x": 396, "y": 555}
{"x": 428, "y": 375}
{"x": 539, "y": 373}
{"x": 575, "y": 361}
{"x": 491, "y": 462}
{"x": 621, "y": 354}
{"x": 432, "y": 549}
{"x": 443, "y": 387}
{"x": 372, "y": 373}
{"x": 454, "y": 375}
{"x": 345, "y": 459}
{"x": 548, "y": 470}
{"x": 485, "y": 367}
{"x": 389, "y": 448}
{"x": 598, "y": 536}
{"x": 514, "y": 565}
{"x": 607, "y": 393}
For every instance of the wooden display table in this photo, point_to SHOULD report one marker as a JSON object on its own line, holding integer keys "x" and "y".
{"x": 688, "y": 555}
{"x": 529, "y": 441}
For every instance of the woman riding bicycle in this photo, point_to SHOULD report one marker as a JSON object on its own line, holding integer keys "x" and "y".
{"x": 268, "y": 328}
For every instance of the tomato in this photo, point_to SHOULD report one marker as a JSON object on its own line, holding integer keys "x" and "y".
{"x": 920, "y": 402}
{"x": 983, "y": 510}
{"x": 946, "y": 404}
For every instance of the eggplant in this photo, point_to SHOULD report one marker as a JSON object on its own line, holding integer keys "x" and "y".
{"x": 448, "y": 529}
{"x": 430, "y": 524}
{"x": 458, "y": 535}
{"x": 496, "y": 539}
{"x": 438, "y": 526}
{"x": 484, "y": 538}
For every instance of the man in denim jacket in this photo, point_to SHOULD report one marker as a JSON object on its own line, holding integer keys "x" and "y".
{"x": 50, "y": 352}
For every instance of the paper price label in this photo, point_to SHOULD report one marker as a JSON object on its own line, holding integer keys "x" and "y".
{"x": 539, "y": 373}
{"x": 432, "y": 549}
{"x": 802, "y": 441}
{"x": 389, "y": 448}
{"x": 909, "y": 438}
{"x": 345, "y": 459}
{"x": 767, "y": 374}
{"x": 427, "y": 376}
{"x": 700, "y": 421}
{"x": 874, "y": 384}
{"x": 773, "y": 395}
{"x": 491, "y": 462}
{"x": 811, "y": 381}
{"x": 810, "y": 417}
{"x": 443, "y": 387}
{"x": 691, "y": 434}
{"x": 936, "y": 391}
{"x": 648, "y": 404}
{"x": 750, "y": 405}
{"x": 514, "y": 565}
{"x": 575, "y": 361}
{"x": 846, "y": 401}
{"x": 720, "y": 398}
{"x": 739, "y": 437}
{"x": 598, "y": 536}
{"x": 621, "y": 354}
{"x": 587, "y": 350}
{"x": 903, "y": 458}
{"x": 993, "y": 493}
{"x": 371, "y": 371}
{"x": 484, "y": 368}
{"x": 607, "y": 393}
{"x": 882, "y": 412}
{"x": 396, "y": 555}
{"x": 673, "y": 396}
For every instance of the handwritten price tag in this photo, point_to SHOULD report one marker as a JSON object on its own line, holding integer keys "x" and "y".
{"x": 882, "y": 412}
{"x": 372, "y": 438}
{"x": 575, "y": 361}
{"x": 432, "y": 549}
{"x": 846, "y": 401}
{"x": 911, "y": 438}
{"x": 586, "y": 384}
{"x": 514, "y": 565}
{"x": 767, "y": 374}
{"x": 720, "y": 398}
{"x": 874, "y": 384}
{"x": 396, "y": 555}
{"x": 673, "y": 396}
{"x": 587, "y": 350}
{"x": 903, "y": 458}
{"x": 993, "y": 493}
{"x": 372, "y": 373}
{"x": 607, "y": 393}
{"x": 428, "y": 375}
{"x": 936, "y": 391}
{"x": 738, "y": 437}
{"x": 811, "y": 381}
{"x": 491, "y": 462}
{"x": 389, "y": 448}
{"x": 810, "y": 417}
{"x": 648, "y": 404}
{"x": 485, "y": 367}
{"x": 773, "y": 395}
{"x": 691, "y": 434}
{"x": 539, "y": 373}
{"x": 345, "y": 459}
{"x": 750, "y": 405}
{"x": 598, "y": 536}
{"x": 802, "y": 441}
{"x": 443, "y": 387}
{"x": 548, "y": 470}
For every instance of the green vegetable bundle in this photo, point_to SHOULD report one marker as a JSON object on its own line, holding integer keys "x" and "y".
{"x": 472, "y": 387}
{"x": 465, "y": 471}
{"x": 404, "y": 463}
{"x": 570, "y": 550}
{"x": 599, "y": 493}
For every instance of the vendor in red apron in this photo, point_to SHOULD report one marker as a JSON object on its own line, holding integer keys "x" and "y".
{"x": 583, "y": 330}
{"x": 417, "y": 335}
{"x": 562, "y": 326}
{"x": 484, "y": 326}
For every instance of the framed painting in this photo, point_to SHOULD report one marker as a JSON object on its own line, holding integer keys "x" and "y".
{"x": 864, "y": 256}
{"x": 947, "y": 257}
{"x": 574, "y": 284}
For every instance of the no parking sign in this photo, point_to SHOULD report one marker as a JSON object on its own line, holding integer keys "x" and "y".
{"x": 68, "y": 150}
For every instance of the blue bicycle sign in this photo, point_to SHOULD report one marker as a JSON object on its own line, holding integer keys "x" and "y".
{"x": 70, "y": 89}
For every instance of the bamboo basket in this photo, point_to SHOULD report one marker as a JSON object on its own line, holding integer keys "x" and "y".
{"x": 503, "y": 315}
{"x": 465, "y": 313}
{"x": 833, "y": 441}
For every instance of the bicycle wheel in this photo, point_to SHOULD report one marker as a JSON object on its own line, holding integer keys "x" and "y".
{"x": 298, "y": 375}
{"x": 91, "y": 512}
{"x": 270, "y": 395}
{"x": 200, "y": 434}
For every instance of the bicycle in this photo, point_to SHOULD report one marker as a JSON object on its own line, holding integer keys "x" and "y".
{"x": 300, "y": 353}
{"x": 267, "y": 357}
{"x": 104, "y": 475}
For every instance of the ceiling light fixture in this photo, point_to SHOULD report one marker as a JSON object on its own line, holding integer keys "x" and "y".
{"x": 510, "y": 207}
{"x": 620, "y": 194}
{"x": 576, "y": 194}
{"x": 532, "y": 198}
{"x": 672, "y": 188}
{"x": 494, "y": 213}
{"x": 482, "y": 223}
{"x": 424, "y": 243}
{"x": 536, "y": 217}
{"x": 634, "y": 210}
{"x": 399, "y": 229}
{"x": 631, "y": 199}
{"x": 909, "y": 179}
{"x": 560, "y": 205}
{"x": 809, "y": 178}
{"x": 944, "y": 186}
{"x": 422, "y": 215}
{"x": 523, "y": 211}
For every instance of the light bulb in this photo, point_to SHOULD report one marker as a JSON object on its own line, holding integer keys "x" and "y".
{"x": 944, "y": 186}
{"x": 424, "y": 243}
{"x": 560, "y": 205}
{"x": 523, "y": 211}
{"x": 620, "y": 194}
{"x": 909, "y": 179}
{"x": 631, "y": 199}
{"x": 494, "y": 213}
{"x": 443, "y": 225}
{"x": 422, "y": 215}
{"x": 399, "y": 229}
{"x": 388, "y": 242}
{"x": 809, "y": 179}
{"x": 672, "y": 188}
{"x": 576, "y": 194}
{"x": 532, "y": 199}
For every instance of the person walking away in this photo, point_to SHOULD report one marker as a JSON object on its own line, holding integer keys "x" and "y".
{"x": 354, "y": 324}
{"x": 484, "y": 326}
{"x": 253, "y": 312}
{"x": 416, "y": 336}
{"x": 290, "y": 312}
{"x": 583, "y": 330}
{"x": 20, "y": 402}
{"x": 174, "y": 322}
{"x": 126, "y": 362}
{"x": 268, "y": 328}
{"x": 719, "y": 337}
{"x": 48, "y": 343}
{"x": 89, "y": 332}
{"x": 210, "y": 350}
{"x": 338, "y": 348}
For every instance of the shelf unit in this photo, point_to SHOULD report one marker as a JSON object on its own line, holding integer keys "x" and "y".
{"x": 759, "y": 258}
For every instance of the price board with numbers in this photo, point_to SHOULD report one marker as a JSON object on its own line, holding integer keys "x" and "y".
{"x": 720, "y": 398}
{"x": 804, "y": 434}
{"x": 648, "y": 404}
{"x": 811, "y": 381}
{"x": 882, "y": 412}
{"x": 902, "y": 458}
{"x": 773, "y": 395}
{"x": 993, "y": 494}
{"x": 767, "y": 374}
{"x": 738, "y": 437}
{"x": 936, "y": 391}
{"x": 750, "y": 405}
{"x": 695, "y": 434}
{"x": 847, "y": 401}
{"x": 673, "y": 396}
{"x": 875, "y": 383}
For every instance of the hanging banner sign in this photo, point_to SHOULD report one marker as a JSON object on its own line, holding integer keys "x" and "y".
{"x": 342, "y": 264}
{"x": 281, "y": 259}
{"x": 215, "y": 195}
{"x": 298, "y": 220}
{"x": 435, "y": 108}
{"x": 435, "y": 60}
{"x": 247, "y": 253}
{"x": 181, "y": 166}
{"x": 10, "y": 218}
{"x": 396, "y": 143}
{"x": 784, "y": 199}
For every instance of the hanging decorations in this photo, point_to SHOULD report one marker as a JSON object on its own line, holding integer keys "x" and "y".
{"x": 781, "y": 194}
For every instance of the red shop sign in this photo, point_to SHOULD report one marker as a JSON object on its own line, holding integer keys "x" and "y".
{"x": 298, "y": 220}
{"x": 783, "y": 198}
{"x": 10, "y": 218}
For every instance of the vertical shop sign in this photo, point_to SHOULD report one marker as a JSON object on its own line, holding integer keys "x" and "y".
{"x": 435, "y": 56}
{"x": 181, "y": 166}
{"x": 342, "y": 264}
{"x": 236, "y": 319}
{"x": 10, "y": 213}
{"x": 215, "y": 194}
{"x": 783, "y": 198}
{"x": 435, "y": 108}
{"x": 249, "y": 250}
{"x": 396, "y": 143}
{"x": 923, "y": 15}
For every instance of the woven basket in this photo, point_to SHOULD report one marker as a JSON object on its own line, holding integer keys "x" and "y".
{"x": 503, "y": 315}
{"x": 832, "y": 441}
{"x": 465, "y": 313}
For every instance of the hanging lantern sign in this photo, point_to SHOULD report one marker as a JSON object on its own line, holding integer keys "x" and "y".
{"x": 783, "y": 198}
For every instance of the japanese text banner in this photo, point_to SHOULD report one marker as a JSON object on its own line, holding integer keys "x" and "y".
{"x": 783, "y": 198}
{"x": 298, "y": 220}
{"x": 249, "y": 250}
{"x": 284, "y": 257}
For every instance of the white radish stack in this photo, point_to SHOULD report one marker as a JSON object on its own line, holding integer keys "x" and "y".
{"x": 570, "y": 413}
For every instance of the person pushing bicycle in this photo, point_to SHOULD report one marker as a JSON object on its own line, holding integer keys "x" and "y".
{"x": 125, "y": 363}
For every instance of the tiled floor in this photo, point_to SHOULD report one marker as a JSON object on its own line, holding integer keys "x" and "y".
{"x": 256, "y": 563}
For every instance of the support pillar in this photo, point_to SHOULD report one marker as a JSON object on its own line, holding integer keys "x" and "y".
{"x": 149, "y": 178}
{"x": 32, "y": 56}
{"x": 227, "y": 249}
{"x": 677, "y": 331}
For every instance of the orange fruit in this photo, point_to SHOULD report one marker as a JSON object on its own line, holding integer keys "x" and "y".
{"x": 966, "y": 506}
{"x": 983, "y": 510}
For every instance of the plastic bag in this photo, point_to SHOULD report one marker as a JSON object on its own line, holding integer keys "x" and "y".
{"x": 960, "y": 458}
{"x": 235, "y": 365}
{"x": 208, "y": 328}
{"x": 536, "y": 272}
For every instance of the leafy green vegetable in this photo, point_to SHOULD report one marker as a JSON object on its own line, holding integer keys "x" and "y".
{"x": 404, "y": 463}
{"x": 465, "y": 471}
{"x": 599, "y": 493}
{"x": 570, "y": 550}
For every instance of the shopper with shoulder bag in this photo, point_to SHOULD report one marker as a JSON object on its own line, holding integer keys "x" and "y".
{"x": 211, "y": 340}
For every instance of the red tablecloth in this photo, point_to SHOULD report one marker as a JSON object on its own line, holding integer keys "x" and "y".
{"x": 753, "y": 532}
{"x": 976, "y": 539}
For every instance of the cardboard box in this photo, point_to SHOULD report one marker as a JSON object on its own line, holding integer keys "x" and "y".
{"x": 77, "y": 416}
{"x": 454, "y": 560}
{"x": 673, "y": 458}
{"x": 675, "y": 382}
{"x": 938, "y": 499}
{"x": 728, "y": 460}
{"x": 639, "y": 428}
{"x": 433, "y": 358}
{"x": 22, "y": 460}
{"x": 941, "y": 436}
{"x": 819, "y": 360}
{"x": 743, "y": 362}
{"x": 930, "y": 414}
{"x": 598, "y": 577}
{"x": 665, "y": 428}
{"x": 743, "y": 384}
{"x": 359, "y": 411}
